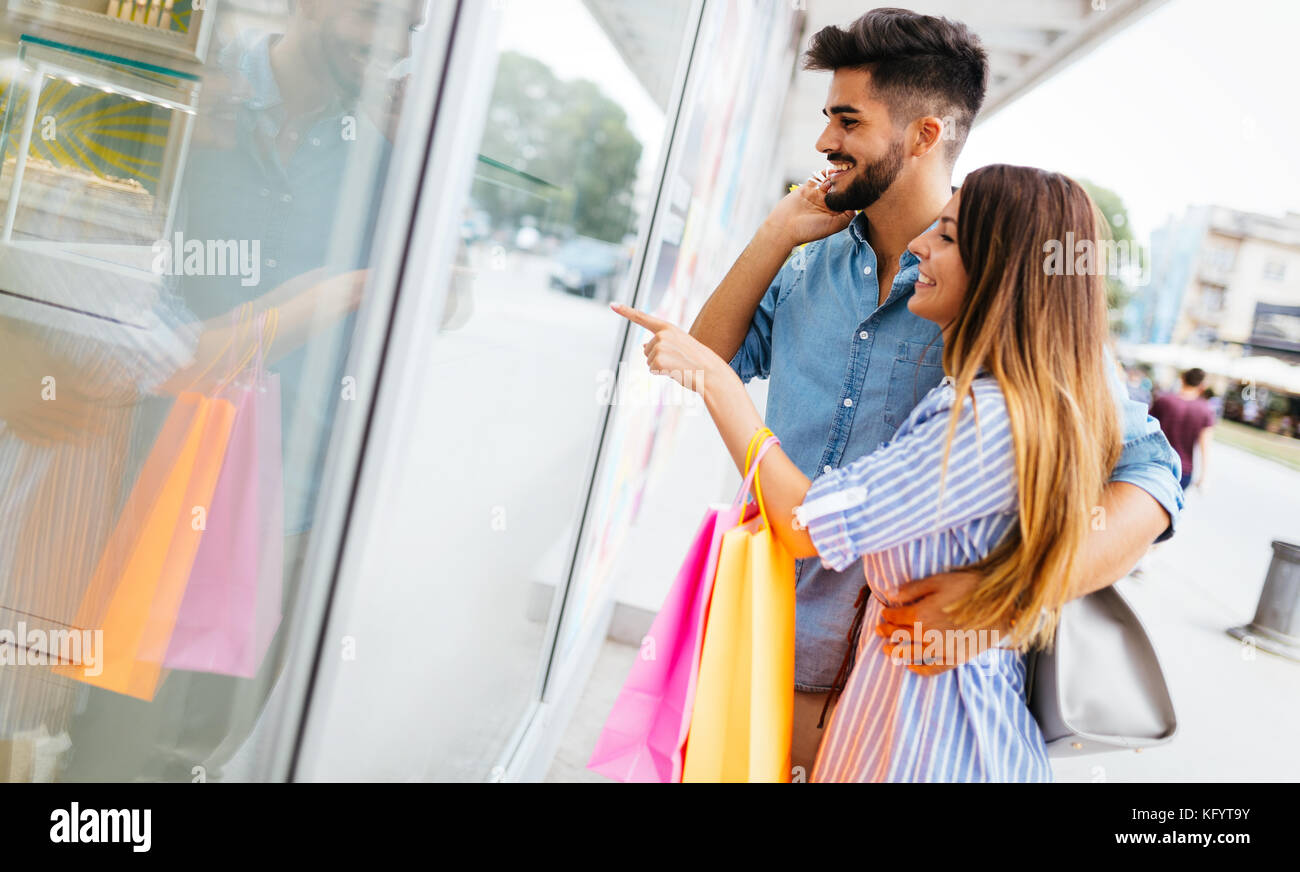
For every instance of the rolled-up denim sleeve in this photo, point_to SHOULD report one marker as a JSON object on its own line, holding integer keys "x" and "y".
{"x": 1148, "y": 460}
{"x": 754, "y": 357}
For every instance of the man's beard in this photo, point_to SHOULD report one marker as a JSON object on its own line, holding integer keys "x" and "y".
{"x": 871, "y": 183}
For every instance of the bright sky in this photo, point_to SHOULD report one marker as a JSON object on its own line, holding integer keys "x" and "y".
{"x": 1195, "y": 103}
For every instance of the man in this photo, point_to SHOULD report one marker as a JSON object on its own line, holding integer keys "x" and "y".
{"x": 831, "y": 329}
{"x": 1187, "y": 420}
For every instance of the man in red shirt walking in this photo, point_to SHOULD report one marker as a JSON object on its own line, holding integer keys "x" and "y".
{"x": 1187, "y": 419}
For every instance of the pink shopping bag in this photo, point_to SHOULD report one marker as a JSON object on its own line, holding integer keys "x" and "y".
{"x": 645, "y": 731}
{"x": 232, "y": 604}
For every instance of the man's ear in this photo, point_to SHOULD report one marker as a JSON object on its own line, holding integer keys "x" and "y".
{"x": 928, "y": 134}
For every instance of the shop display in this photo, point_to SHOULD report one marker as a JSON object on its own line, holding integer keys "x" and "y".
{"x": 76, "y": 203}
{"x": 151, "y": 13}
{"x": 92, "y": 148}
{"x": 175, "y": 27}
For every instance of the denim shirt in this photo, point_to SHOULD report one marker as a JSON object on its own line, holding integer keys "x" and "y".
{"x": 844, "y": 374}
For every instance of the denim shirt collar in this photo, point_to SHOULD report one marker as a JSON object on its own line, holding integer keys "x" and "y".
{"x": 858, "y": 230}
{"x": 249, "y": 56}
{"x": 858, "y": 227}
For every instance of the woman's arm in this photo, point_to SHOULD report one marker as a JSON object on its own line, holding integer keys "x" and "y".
{"x": 893, "y": 495}
{"x": 306, "y": 303}
{"x": 692, "y": 364}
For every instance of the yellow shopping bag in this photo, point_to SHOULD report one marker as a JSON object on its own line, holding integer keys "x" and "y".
{"x": 744, "y": 705}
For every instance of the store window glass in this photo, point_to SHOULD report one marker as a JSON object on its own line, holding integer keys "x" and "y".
{"x": 719, "y": 184}
{"x": 189, "y": 195}
{"x": 478, "y": 537}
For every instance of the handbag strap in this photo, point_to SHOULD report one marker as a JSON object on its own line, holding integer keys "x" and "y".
{"x": 850, "y": 654}
{"x": 1031, "y": 670}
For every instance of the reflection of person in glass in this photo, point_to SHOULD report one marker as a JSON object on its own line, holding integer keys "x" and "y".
{"x": 290, "y": 148}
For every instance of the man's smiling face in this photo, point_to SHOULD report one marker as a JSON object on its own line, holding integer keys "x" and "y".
{"x": 860, "y": 141}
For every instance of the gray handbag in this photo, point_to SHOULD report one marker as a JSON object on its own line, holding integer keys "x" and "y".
{"x": 1101, "y": 688}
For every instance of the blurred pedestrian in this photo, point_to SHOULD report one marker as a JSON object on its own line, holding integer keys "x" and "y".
{"x": 1187, "y": 419}
{"x": 1139, "y": 386}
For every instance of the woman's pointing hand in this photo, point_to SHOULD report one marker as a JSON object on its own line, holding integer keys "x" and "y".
{"x": 673, "y": 352}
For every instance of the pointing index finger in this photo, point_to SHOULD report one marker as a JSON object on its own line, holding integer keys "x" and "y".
{"x": 636, "y": 316}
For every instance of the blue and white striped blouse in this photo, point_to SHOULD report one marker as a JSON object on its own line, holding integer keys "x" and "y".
{"x": 969, "y": 723}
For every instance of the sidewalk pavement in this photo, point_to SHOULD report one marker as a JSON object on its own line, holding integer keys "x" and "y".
{"x": 1238, "y": 709}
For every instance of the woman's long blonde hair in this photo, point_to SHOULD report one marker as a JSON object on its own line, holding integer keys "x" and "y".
{"x": 1039, "y": 325}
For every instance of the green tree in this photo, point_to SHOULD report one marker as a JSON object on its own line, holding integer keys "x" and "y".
{"x": 1118, "y": 293}
{"x": 574, "y": 157}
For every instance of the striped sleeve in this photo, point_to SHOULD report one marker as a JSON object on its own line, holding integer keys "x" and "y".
{"x": 891, "y": 496}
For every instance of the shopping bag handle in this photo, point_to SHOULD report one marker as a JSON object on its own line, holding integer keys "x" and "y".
{"x": 751, "y": 466}
{"x": 268, "y": 324}
{"x": 237, "y": 317}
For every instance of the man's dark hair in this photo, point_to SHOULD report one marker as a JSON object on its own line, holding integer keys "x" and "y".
{"x": 1193, "y": 377}
{"x": 919, "y": 64}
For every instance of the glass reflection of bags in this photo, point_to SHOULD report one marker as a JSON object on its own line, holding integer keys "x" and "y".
{"x": 137, "y": 588}
{"x": 743, "y": 714}
{"x": 231, "y": 607}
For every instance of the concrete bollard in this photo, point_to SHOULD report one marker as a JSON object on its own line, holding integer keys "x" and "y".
{"x": 1276, "y": 627}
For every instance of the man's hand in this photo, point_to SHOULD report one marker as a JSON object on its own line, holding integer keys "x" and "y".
{"x": 940, "y": 644}
{"x": 333, "y": 296}
{"x": 801, "y": 215}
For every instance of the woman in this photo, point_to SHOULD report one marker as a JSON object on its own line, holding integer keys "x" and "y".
{"x": 1006, "y": 479}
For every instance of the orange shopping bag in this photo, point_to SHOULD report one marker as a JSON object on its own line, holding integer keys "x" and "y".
{"x": 136, "y": 590}
{"x": 743, "y": 717}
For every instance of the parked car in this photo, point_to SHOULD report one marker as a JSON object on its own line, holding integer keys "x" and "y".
{"x": 475, "y": 225}
{"x": 587, "y": 267}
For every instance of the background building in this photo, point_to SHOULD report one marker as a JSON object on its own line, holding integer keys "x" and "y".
{"x": 1222, "y": 277}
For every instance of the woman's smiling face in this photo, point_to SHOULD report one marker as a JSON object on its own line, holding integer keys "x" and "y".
{"x": 941, "y": 285}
